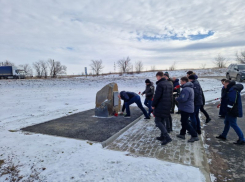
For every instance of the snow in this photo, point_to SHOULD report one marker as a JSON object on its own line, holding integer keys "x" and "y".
{"x": 29, "y": 102}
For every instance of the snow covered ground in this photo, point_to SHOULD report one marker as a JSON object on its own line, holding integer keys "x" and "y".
{"x": 28, "y": 102}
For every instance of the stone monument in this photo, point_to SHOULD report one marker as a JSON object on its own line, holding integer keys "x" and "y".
{"x": 107, "y": 101}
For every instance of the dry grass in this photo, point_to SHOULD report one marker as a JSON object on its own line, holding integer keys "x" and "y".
{"x": 11, "y": 172}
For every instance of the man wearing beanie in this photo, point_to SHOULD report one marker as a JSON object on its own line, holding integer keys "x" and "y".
{"x": 149, "y": 93}
{"x": 198, "y": 102}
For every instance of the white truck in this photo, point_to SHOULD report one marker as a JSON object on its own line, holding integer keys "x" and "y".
{"x": 8, "y": 72}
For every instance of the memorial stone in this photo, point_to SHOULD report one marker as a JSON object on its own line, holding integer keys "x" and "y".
{"x": 107, "y": 101}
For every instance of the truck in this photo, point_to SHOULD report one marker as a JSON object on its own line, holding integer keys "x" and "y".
{"x": 8, "y": 72}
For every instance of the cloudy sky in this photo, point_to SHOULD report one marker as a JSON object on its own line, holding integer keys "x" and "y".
{"x": 155, "y": 32}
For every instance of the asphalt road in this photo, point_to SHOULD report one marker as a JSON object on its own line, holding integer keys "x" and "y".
{"x": 227, "y": 160}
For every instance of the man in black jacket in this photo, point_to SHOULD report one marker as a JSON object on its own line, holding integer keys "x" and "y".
{"x": 198, "y": 102}
{"x": 149, "y": 93}
{"x": 130, "y": 98}
{"x": 161, "y": 105}
{"x": 169, "y": 124}
{"x": 222, "y": 106}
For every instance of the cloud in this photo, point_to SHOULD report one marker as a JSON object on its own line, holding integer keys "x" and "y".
{"x": 156, "y": 32}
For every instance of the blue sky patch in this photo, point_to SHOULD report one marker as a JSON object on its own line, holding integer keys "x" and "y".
{"x": 69, "y": 48}
{"x": 175, "y": 37}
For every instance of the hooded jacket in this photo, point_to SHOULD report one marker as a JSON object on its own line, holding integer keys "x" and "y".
{"x": 234, "y": 101}
{"x": 198, "y": 94}
{"x": 163, "y": 98}
{"x": 149, "y": 91}
{"x": 186, "y": 98}
{"x": 176, "y": 86}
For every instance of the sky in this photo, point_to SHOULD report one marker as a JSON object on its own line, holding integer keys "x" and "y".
{"x": 158, "y": 33}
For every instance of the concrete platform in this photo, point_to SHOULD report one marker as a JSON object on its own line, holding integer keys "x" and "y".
{"x": 84, "y": 126}
{"x": 227, "y": 161}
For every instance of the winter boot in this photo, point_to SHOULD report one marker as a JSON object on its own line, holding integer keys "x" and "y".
{"x": 166, "y": 140}
{"x": 221, "y": 137}
{"x": 181, "y": 136}
{"x": 127, "y": 116}
{"x": 199, "y": 132}
{"x": 208, "y": 120}
{"x": 161, "y": 138}
{"x": 193, "y": 139}
{"x": 240, "y": 142}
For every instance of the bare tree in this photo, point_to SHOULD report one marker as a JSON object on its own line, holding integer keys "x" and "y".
{"x": 27, "y": 69}
{"x": 153, "y": 68}
{"x": 7, "y": 63}
{"x": 172, "y": 67}
{"x": 240, "y": 58}
{"x": 220, "y": 61}
{"x": 203, "y": 66}
{"x": 38, "y": 68}
{"x": 56, "y": 68}
{"x": 124, "y": 65}
{"x": 139, "y": 66}
{"x": 96, "y": 66}
{"x": 44, "y": 67}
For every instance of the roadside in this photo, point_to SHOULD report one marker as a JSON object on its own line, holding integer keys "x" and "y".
{"x": 226, "y": 160}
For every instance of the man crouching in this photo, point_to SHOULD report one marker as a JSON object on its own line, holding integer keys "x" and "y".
{"x": 161, "y": 105}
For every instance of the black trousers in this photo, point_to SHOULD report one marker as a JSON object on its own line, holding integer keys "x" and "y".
{"x": 186, "y": 125}
{"x": 174, "y": 102}
{"x": 169, "y": 123}
{"x": 204, "y": 112}
{"x": 160, "y": 123}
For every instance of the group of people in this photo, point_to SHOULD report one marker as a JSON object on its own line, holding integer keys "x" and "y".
{"x": 189, "y": 98}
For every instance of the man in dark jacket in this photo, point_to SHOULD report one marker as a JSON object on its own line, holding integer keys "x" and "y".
{"x": 130, "y": 98}
{"x": 233, "y": 103}
{"x": 222, "y": 105}
{"x": 186, "y": 106}
{"x": 176, "y": 93}
{"x": 169, "y": 123}
{"x": 208, "y": 119}
{"x": 198, "y": 102}
{"x": 189, "y": 73}
{"x": 161, "y": 105}
{"x": 149, "y": 93}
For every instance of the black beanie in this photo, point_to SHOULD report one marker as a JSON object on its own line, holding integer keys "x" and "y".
{"x": 147, "y": 81}
{"x": 192, "y": 77}
{"x": 166, "y": 74}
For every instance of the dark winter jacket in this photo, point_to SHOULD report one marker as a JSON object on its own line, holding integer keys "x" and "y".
{"x": 203, "y": 99}
{"x": 234, "y": 101}
{"x": 186, "y": 98}
{"x": 126, "y": 96}
{"x": 223, "y": 104}
{"x": 149, "y": 91}
{"x": 176, "y": 86}
{"x": 163, "y": 98}
{"x": 224, "y": 100}
{"x": 223, "y": 91}
{"x": 198, "y": 97}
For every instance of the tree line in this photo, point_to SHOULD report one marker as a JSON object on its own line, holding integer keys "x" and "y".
{"x": 124, "y": 65}
{"x": 42, "y": 68}
{"x": 221, "y": 62}
{"x": 52, "y": 68}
